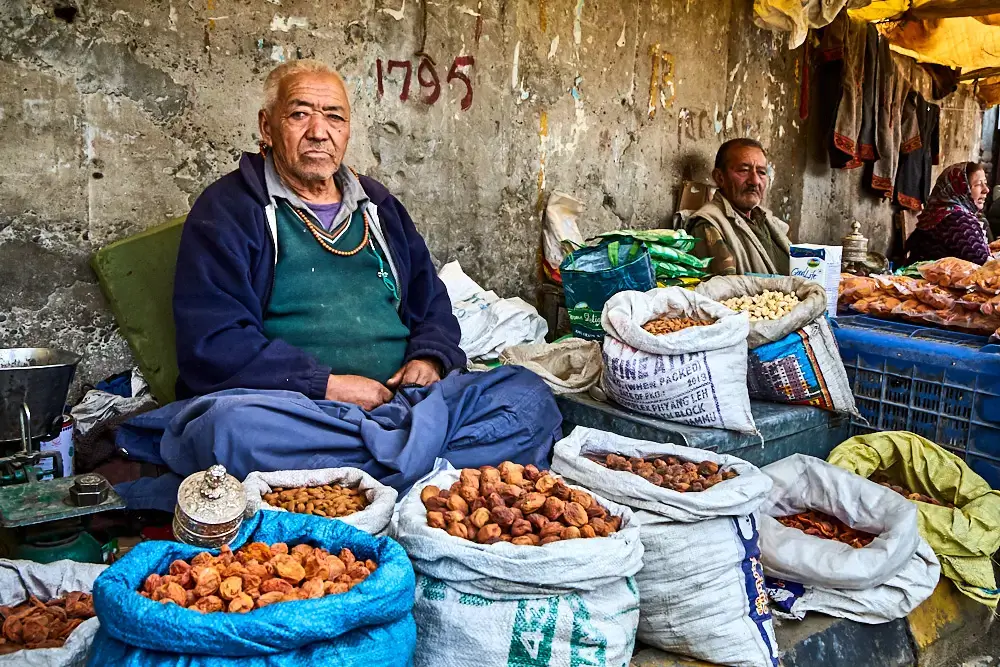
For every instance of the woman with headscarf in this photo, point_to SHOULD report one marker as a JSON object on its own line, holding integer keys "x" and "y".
{"x": 952, "y": 223}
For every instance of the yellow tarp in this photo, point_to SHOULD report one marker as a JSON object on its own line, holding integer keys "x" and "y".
{"x": 964, "y": 537}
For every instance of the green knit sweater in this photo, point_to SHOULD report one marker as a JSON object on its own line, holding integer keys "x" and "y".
{"x": 336, "y": 308}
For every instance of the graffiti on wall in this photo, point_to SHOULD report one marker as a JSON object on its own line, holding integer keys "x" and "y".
{"x": 400, "y": 72}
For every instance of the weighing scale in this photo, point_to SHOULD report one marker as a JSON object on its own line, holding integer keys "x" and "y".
{"x": 43, "y": 521}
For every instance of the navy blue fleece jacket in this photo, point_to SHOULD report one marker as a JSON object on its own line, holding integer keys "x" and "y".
{"x": 225, "y": 271}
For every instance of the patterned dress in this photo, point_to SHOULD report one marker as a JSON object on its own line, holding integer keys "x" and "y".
{"x": 950, "y": 225}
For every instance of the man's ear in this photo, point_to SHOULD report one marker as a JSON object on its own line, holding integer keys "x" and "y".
{"x": 264, "y": 127}
{"x": 716, "y": 176}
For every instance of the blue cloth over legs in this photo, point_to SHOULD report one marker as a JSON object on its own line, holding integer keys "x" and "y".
{"x": 471, "y": 419}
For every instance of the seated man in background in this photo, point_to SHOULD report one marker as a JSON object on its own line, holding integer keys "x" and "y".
{"x": 739, "y": 234}
{"x": 312, "y": 329}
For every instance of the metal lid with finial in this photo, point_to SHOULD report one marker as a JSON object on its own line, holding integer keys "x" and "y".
{"x": 210, "y": 507}
{"x": 855, "y": 245}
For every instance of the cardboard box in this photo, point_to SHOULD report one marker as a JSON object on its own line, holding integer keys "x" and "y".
{"x": 820, "y": 264}
{"x": 694, "y": 195}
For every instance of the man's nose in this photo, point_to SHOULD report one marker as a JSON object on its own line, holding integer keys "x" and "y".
{"x": 316, "y": 129}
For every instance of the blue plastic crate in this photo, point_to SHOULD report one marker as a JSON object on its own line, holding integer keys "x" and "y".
{"x": 939, "y": 384}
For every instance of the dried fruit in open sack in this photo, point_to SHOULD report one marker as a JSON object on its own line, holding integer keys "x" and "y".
{"x": 518, "y": 504}
{"x": 820, "y": 524}
{"x": 327, "y": 500}
{"x": 883, "y": 480}
{"x": 671, "y": 473}
{"x": 282, "y": 577}
{"x": 661, "y": 326}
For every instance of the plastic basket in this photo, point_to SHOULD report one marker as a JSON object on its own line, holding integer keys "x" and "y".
{"x": 939, "y": 384}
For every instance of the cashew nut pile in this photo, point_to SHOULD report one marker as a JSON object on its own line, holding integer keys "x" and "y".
{"x": 767, "y": 305}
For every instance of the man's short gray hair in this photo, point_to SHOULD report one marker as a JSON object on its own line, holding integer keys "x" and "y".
{"x": 273, "y": 81}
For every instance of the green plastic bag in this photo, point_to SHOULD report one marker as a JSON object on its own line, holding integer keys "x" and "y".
{"x": 674, "y": 256}
{"x": 666, "y": 270}
{"x": 913, "y": 270}
{"x": 964, "y": 537}
{"x": 671, "y": 238}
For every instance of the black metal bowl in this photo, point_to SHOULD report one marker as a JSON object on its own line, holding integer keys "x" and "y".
{"x": 40, "y": 378}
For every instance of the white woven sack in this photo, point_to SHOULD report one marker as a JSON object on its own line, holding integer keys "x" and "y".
{"x": 863, "y": 584}
{"x": 701, "y": 587}
{"x": 571, "y": 602}
{"x": 373, "y": 519}
{"x": 696, "y": 376}
{"x": 894, "y": 599}
{"x": 21, "y": 578}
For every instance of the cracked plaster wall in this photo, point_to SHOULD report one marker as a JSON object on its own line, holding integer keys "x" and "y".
{"x": 115, "y": 120}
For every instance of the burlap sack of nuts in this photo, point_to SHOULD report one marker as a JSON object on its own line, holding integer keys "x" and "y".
{"x": 701, "y": 586}
{"x": 793, "y": 359}
{"x": 20, "y": 579}
{"x": 883, "y": 581}
{"x": 494, "y": 605}
{"x": 694, "y": 376}
{"x": 379, "y": 498}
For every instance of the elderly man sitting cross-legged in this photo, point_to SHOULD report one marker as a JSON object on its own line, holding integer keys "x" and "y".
{"x": 312, "y": 329}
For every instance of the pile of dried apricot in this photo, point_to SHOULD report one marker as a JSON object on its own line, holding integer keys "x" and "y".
{"x": 670, "y": 472}
{"x": 823, "y": 525}
{"x": 36, "y": 624}
{"x": 255, "y": 576}
{"x": 517, "y": 504}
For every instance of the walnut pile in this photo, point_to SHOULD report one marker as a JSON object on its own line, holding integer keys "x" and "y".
{"x": 255, "y": 576}
{"x": 670, "y": 472}
{"x": 666, "y": 325}
{"x": 517, "y": 504}
{"x": 36, "y": 624}
{"x": 327, "y": 500}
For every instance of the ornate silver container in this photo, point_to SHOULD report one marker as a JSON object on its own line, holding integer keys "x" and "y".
{"x": 210, "y": 507}
{"x": 855, "y": 245}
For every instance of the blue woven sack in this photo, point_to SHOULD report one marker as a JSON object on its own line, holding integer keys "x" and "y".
{"x": 371, "y": 624}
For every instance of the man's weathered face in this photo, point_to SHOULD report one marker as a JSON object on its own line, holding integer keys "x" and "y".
{"x": 309, "y": 126}
{"x": 744, "y": 179}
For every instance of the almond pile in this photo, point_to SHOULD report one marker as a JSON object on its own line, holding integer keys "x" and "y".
{"x": 326, "y": 500}
{"x": 517, "y": 504}
{"x": 36, "y": 624}
{"x": 666, "y": 325}
{"x": 255, "y": 576}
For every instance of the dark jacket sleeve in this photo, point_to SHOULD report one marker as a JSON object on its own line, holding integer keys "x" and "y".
{"x": 434, "y": 330}
{"x": 219, "y": 314}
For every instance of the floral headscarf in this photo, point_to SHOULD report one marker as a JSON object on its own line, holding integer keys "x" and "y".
{"x": 951, "y": 198}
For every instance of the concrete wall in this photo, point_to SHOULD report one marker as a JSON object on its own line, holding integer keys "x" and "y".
{"x": 115, "y": 116}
